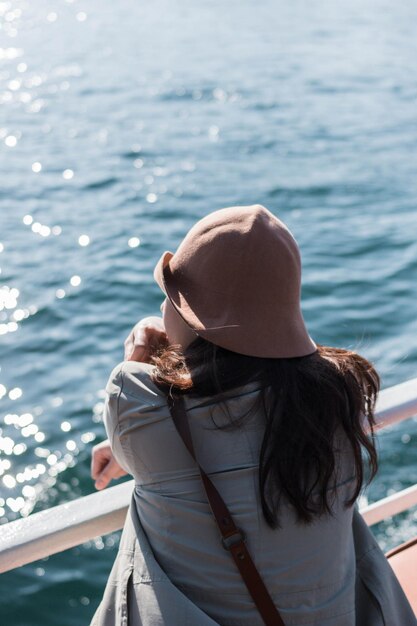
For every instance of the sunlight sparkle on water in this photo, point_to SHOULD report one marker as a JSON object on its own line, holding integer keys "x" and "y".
{"x": 15, "y": 393}
{"x": 6, "y": 445}
{"x": 187, "y": 166}
{"x": 10, "y": 141}
{"x": 83, "y": 240}
{"x": 37, "y": 105}
{"x": 24, "y": 420}
{"x": 68, "y": 174}
{"x": 15, "y": 504}
{"x": 75, "y": 280}
{"x": 10, "y": 327}
{"x": 20, "y": 314}
{"x": 133, "y": 242}
{"x": 10, "y": 53}
{"x": 9, "y": 481}
{"x": 160, "y": 171}
{"x": 213, "y": 133}
{"x": 45, "y": 231}
{"x": 4, "y": 465}
{"x": 27, "y": 431}
{"x": 88, "y": 437}
{"x": 43, "y": 453}
{"x": 36, "y": 167}
{"x": 14, "y": 84}
{"x": 28, "y": 491}
{"x": 35, "y": 81}
{"x": 8, "y": 297}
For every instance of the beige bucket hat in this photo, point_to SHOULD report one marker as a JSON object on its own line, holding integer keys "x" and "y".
{"x": 235, "y": 279}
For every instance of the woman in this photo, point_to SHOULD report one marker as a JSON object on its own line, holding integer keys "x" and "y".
{"x": 278, "y": 422}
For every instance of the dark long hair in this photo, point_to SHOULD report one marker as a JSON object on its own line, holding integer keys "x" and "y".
{"x": 312, "y": 397}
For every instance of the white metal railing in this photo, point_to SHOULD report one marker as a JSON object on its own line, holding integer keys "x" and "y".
{"x": 67, "y": 525}
{"x": 390, "y": 506}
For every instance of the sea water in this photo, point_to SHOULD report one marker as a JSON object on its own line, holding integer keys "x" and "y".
{"x": 122, "y": 123}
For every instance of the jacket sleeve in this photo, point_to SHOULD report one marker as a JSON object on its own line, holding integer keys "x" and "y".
{"x": 132, "y": 401}
{"x": 110, "y": 415}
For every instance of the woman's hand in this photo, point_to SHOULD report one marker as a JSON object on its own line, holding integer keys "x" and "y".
{"x": 144, "y": 339}
{"x": 104, "y": 466}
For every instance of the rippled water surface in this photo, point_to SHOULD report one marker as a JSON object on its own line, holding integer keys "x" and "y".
{"x": 121, "y": 125}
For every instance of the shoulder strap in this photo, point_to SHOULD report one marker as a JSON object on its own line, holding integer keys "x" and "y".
{"x": 232, "y": 537}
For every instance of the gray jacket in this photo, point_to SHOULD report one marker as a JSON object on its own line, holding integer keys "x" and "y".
{"x": 171, "y": 569}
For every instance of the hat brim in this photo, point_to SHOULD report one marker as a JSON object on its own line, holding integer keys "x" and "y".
{"x": 158, "y": 273}
{"x": 159, "y": 277}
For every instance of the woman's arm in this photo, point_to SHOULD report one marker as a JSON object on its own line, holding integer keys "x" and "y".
{"x": 104, "y": 466}
{"x": 143, "y": 340}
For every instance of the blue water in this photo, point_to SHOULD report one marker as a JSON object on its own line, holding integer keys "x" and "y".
{"x": 122, "y": 124}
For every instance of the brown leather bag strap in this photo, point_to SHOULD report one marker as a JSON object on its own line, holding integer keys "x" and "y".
{"x": 232, "y": 537}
